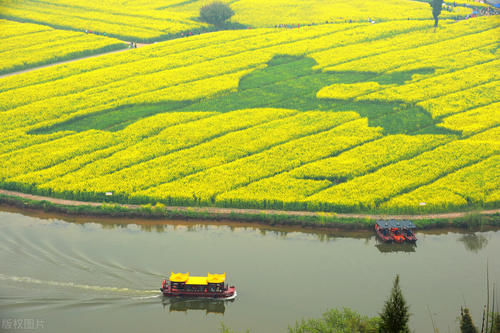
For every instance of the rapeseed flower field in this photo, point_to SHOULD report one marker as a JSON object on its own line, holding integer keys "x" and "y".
{"x": 345, "y": 116}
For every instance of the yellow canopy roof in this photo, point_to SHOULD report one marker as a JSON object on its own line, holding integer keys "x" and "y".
{"x": 216, "y": 278}
{"x": 179, "y": 277}
{"x": 197, "y": 280}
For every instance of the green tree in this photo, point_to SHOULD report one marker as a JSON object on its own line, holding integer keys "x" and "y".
{"x": 216, "y": 13}
{"x": 496, "y": 326}
{"x": 437, "y": 6}
{"x": 336, "y": 321}
{"x": 395, "y": 315}
{"x": 466, "y": 324}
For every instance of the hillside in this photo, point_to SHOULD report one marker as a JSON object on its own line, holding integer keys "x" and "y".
{"x": 389, "y": 116}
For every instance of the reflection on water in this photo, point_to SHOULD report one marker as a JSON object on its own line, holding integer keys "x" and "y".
{"x": 185, "y": 304}
{"x": 474, "y": 242}
{"x": 394, "y": 247}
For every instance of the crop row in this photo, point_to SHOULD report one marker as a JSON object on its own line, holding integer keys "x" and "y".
{"x": 14, "y": 29}
{"x": 154, "y": 61}
{"x": 169, "y": 140}
{"x": 217, "y": 151}
{"x": 463, "y": 100}
{"x": 114, "y": 24}
{"x": 289, "y": 189}
{"x": 370, "y": 190}
{"x": 268, "y": 13}
{"x": 468, "y": 186}
{"x": 475, "y": 120}
{"x": 439, "y": 85}
{"x": 422, "y": 37}
{"x": 29, "y": 47}
{"x": 203, "y": 187}
{"x": 432, "y": 55}
{"x": 141, "y": 130}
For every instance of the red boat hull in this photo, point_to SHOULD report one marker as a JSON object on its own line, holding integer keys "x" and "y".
{"x": 228, "y": 293}
{"x": 410, "y": 237}
{"x": 380, "y": 234}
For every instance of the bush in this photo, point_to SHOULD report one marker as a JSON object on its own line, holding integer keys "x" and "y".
{"x": 336, "y": 321}
{"x": 216, "y": 13}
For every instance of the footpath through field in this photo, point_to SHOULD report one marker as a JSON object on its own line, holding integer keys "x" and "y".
{"x": 227, "y": 211}
{"x": 138, "y": 45}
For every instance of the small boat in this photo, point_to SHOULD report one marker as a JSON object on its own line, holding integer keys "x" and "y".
{"x": 210, "y": 286}
{"x": 409, "y": 235}
{"x": 395, "y": 231}
{"x": 383, "y": 233}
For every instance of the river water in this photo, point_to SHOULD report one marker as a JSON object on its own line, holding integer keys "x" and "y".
{"x": 90, "y": 275}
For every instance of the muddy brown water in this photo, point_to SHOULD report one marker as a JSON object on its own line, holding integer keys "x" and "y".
{"x": 62, "y": 274}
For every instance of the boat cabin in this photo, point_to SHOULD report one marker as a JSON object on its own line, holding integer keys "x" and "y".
{"x": 185, "y": 282}
{"x": 397, "y": 231}
{"x": 185, "y": 285}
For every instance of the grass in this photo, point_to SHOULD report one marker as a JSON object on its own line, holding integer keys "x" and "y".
{"x": 472, "y": 222}
{"x": 287, "y": 82}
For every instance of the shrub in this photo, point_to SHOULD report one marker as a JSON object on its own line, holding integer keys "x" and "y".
{"x": 216, "y": 13}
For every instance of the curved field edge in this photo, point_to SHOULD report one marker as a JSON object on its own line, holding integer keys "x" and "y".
{"x": 472, "y": 220}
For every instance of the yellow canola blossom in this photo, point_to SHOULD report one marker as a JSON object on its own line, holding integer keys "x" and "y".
{"x": 17, "y": 139}
{"x": 130, "y": 25}
{"x": 449, "y": 48}
{"x": 272, "y": 12}
{"x": 370, "y": 156}
{"x": 138, "y": 131}
{"x": 12, "y": 29}
{"x": 474, "y": 120}
{"x": 259, "y": 157}
{"x": 29, "y": 46}
{"x": 468, "y": 185}
{"x": 171, "y": 139}
{"x": 439, "y": 85}
{"x": 418, "y": 34}
{"x": 219, "y": 150}
{"x": 278, "y": 192}
{"x": 462, "y": 100}
{"x": 470, "y": 3}
{"x": 48, "y": 153}
{"x": 368, "y": 191}
{"x": 205, "y": 185}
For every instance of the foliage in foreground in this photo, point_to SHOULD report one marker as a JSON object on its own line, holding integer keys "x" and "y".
{"x": 466, "y": 324}
{"x": 337, "y": 321}
{"x": 395, "y": 316}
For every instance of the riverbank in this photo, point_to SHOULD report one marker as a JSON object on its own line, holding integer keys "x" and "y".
{"x": 470, "y": 220}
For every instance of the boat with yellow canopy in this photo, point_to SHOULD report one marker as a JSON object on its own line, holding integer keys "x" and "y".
{"x": 185, "y": 285}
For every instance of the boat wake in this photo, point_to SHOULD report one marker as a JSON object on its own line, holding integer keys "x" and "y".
{"x": 24, "y": 279}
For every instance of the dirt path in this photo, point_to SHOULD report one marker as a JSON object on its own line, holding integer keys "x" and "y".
{"x": 227, "y": 211}
{"x": 70, "y": 60}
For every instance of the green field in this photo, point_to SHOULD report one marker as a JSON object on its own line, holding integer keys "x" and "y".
{"x": 345, "y": 117}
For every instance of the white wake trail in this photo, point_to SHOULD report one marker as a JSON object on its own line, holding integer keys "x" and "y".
{"x": 24, "y": 279}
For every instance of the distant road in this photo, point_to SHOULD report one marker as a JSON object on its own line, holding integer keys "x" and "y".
{"x": 66, "y": 61}
{"x": 227, "y": 211}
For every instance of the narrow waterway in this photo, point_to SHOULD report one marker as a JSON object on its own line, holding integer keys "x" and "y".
{"x": 93, "y": 275}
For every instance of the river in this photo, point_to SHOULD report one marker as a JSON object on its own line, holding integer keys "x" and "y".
{"x": 61, "y": 274}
